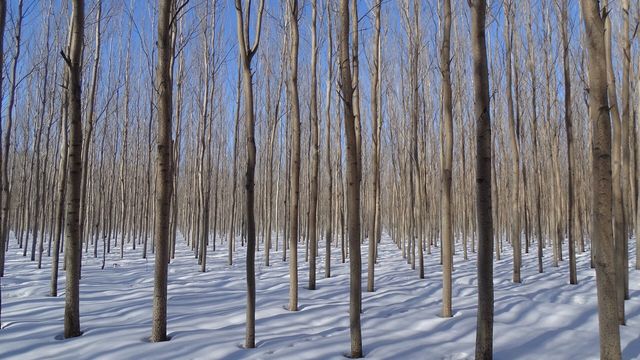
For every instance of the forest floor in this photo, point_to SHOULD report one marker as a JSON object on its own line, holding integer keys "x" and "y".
{"x": 542, "y": 318}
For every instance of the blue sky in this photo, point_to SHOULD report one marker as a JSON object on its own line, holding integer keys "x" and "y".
{"x": 118, "y": 15}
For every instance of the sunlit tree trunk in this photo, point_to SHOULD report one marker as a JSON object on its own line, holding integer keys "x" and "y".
{"x": 602, "y": 237}
{"x": 447, "y": 138}
{"x": 569, "y": 130}
{"x": 534, "y": 120}
{"x": 164, "y": 177}
{"x": 72, "y": 219}
{"x": 624, "y": 143}
{"x": 515, "y": 151}
{"x": 353, "y": 180}
{"x": 315, "y": 153}
{"x": 6, "y": 181}
{"x": 330, "y": 197}
{"x": 294, "y": 120}
{"x": 484, "y": 329}
{"x": 619, "y": 226}
{"x": 246, "y": 51}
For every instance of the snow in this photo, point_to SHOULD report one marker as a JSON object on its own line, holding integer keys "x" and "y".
{"x": 542, "y": 318}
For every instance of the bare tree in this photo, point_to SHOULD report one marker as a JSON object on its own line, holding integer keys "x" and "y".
{"x": 3, "y": 16}
{"x": 376, "y": 126}
{"x": 72, "y": 219}
{"x": 484, "y": 329}
{"x": 164, "y": 160}
{"x": 247, "y": 50}
{"x": 88, "y": 129}
{"x": 353, "y": 180}
{"x": 447, "y": 150}
{"x": 535, "y": 140}
{"x": 624, "y": 142}
{"x": 6, "y": 186}
{"x": 330, "y": 221}
{"x": 315, "y": 152}
{"x": 515, "y": 151}
{"x": 564, "y": 16}
{"x": 294, "y": 120}
{"x": 602, "y": 233}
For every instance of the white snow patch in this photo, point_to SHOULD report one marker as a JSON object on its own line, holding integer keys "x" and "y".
{"x": 542, "y": 318}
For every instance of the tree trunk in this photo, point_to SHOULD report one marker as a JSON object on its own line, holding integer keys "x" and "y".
{"x": 602, "y": 185}
{"x": 534, "y": 120}
{"x": 72, "y": 219}
{"x": 447, "y": 149}
{"x": 484, "y": 330}
{"x": 89, "y": 127}
{"x": 624, "y": 143}
{"x": 515, "y": 202}
{"x": 330, "y": 220}
{"x": 6, "y": 186}
{"x": 569, "y": 129}
{"x": 246, "y": 55}
{"x": 376, "y": 126}
{"x": 619, "y": 226}
{"x": 294, "y": 120}
{"x": 353, "y": 180}
{"x": 315, "y": 153}
{"x": 164, "y": 176}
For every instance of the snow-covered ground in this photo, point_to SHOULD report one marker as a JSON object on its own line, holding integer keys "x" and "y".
{"x": 542, "y": 318}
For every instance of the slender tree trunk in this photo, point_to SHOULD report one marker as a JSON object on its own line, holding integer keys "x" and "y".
{"x": 72, "y": 219}
{"x": 602, "y": 185}
{"x": 6, "y": 182}
{"x": 637, "y": 163}
{"x": 515, "y": 151}
{"x": 61, "y": 189}
{"x": 353, "y": 179}
{"x": 484, "y": 330}
{"x": 315, "y": 153}
{"x": 294, "y": 113}
{"x": 42, "y": 170}
{"x": 89, "y": 126}
{"x": 330, "y": 220}
{"x": 534, "y": 120}
{"x": 123, "y": 159}
{"x": 619, "y": 226}
{"x": 569, "y": 129}
{"x": 447, "y": 146}
{"x": 376, "y": 126}
{"x": 624, "y": 143}
{"x": 3, "y": 16}
{"x": 164, "y": 183}
{"x": 247, "y": 52}
{"x": 231, "y": 241}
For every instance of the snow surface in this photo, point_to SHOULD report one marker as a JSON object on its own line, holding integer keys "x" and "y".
{"x": 542, "y": 318}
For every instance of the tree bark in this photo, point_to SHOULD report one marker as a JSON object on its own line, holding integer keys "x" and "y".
{"x": 602, "y": 236}
{"x": 484, "y": 330}
{"x": 619, "y": 226}
{"x": 6, "y": 186}
{"x": 294, "y": 119}
{"x": 246, "y": 52}
{"x": 515, "y": 202}
{"x": 624, "y": 143}
{"x": 376, "y": 126}
{"x": 534, "y": 120}
{"x": 3, "y": 16}
{"x": 353, "y": 180}
{"x": 569, "y": 130}
{"x": 315, "y": 153}
{"x": 72, "y": 219}
{"x": 164, "y": 177}
{"x": 330, "y": 220}
{"x": 447, "y": 146}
